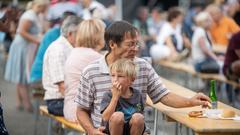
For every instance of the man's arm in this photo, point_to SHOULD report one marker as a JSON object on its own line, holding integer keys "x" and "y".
{"x": 177, "y": 101}
{"x": 85, "y": 121}
{"x": 85, "y": 100}
{"x": 237, "y": 51}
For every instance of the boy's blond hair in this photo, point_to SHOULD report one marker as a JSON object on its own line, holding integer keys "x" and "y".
{"x": 124, "y": 66}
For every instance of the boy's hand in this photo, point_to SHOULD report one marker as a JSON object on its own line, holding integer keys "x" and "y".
{"x": 116, "y": 90}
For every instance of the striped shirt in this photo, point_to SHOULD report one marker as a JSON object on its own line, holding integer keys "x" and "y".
{"x": 96, "y": 80}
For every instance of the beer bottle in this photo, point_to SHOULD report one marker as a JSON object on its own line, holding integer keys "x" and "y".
{"x": 212, "y": 94}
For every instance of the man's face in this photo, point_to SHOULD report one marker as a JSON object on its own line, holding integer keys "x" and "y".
{"x": 72, "y": 37}
{"x": 179, "y": 19}
{"x": 216, "y": 16}
{"x": 128, "y": 48}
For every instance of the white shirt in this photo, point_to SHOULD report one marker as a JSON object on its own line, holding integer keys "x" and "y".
{"x": 166, "y": 31}
{"x": 197, "y": 53}
{"x": 53, "y": 67}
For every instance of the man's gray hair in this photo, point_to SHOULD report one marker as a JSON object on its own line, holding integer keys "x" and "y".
{"x": 70, "y": 25}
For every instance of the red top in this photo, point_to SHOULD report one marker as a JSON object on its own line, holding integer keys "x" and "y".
{"x": 231, "y": 55}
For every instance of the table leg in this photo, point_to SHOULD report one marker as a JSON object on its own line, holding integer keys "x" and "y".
{"x": 155, "y": 121}
{"x": 176, "y": 128}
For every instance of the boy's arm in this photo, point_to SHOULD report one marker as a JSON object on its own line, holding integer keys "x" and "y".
{"x": 110, "y": 109}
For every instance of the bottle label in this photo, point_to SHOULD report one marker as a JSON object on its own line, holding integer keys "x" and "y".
{"x": 214, "y": 105}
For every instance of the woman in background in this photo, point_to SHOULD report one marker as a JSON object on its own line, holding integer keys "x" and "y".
{"x": 170, "y": 41}
{"x": 89, "y": 41}
{"x": 202, "y": 52}
{"x": 17, "y": 64}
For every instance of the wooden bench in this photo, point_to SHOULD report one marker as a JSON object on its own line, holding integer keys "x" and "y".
{"x": 201, "y": 126}
{"x": 190, "y": 69}
{"x": 64, "y": 123}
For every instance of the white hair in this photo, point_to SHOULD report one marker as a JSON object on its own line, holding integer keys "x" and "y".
{"x": 69, "y": 25}
{"x": 202, "y": 16}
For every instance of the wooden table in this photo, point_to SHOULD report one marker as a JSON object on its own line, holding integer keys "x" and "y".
{"x": 201, "y": 126}
{"x": 219, "y": 49}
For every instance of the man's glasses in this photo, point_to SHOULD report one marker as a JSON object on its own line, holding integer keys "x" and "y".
{"x": 133, "y": 44}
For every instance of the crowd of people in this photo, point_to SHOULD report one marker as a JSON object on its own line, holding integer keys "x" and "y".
{"x": 90, "y": 67}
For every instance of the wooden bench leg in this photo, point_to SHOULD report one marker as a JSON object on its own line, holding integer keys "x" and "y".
{"x": 155, "y": 121}
{"x": 49, "y": 126}
{"x": 36, "y": 114}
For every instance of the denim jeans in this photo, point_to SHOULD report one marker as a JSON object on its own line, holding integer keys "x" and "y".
{"x": 207, "y": 66}
{"x": 55, "y": 106}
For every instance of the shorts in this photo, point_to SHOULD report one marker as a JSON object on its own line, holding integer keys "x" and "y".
{"x": 126, "y": 129}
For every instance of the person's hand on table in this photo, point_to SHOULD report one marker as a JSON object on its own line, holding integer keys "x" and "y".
{"x": 200, "y": 99}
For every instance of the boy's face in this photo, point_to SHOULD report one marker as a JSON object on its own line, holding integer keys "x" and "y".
{"x": 124, "y": 80}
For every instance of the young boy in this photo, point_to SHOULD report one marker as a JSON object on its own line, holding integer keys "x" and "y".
{"x": 123, "y": 99}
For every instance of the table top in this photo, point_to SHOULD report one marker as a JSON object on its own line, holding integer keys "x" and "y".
{"x": 197, "y": 124}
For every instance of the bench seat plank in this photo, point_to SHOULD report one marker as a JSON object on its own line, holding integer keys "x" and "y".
{"x": 65, "y": 123}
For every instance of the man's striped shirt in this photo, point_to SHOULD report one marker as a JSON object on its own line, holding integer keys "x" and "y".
{"x": 96, "y": 80}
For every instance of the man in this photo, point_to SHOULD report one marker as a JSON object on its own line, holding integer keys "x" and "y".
{"x": 223, "y": 27}
{"x": 53, "y": 65}
{"x": 231, "y": 67}
{"x": 122, "y": 41}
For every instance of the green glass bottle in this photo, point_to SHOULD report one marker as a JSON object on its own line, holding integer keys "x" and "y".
{"x": 212, "y": 94}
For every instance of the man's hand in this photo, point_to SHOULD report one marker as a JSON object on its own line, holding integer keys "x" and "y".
{"x": 61, "y": 87}
{"x": 200, "y": 99}
{"x": 116, "y": 90}
{"x": 97, "y": 131}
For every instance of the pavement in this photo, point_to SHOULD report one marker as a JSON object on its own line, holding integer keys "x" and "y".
{"x": 17, "y": 122}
